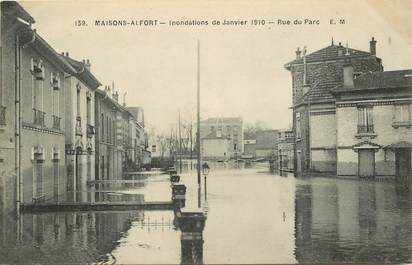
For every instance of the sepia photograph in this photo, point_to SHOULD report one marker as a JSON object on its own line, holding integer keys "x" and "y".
{"x": 205, "y": 132}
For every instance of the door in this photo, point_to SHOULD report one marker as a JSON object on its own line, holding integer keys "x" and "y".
{"x": 299, "y": 162}
{"x": 366, "y": 163}
{"x": 403, "y": 162}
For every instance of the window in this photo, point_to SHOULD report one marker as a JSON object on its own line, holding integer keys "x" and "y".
{"x": 89, "y": 109}
{"x": 365, "y": 119}
{"x": 402, "y": 113}
{"x": 55, "y": 91}
{"x": 298, "y": 126}
{"x": 153, "y": 148}
{"x": 102, "y": 127}
{"x": 212, "y": 128}
{"x": 37, "y": 70}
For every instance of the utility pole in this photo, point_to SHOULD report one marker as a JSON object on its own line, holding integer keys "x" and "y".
{"x": 180, "y": 146}
{"x": 191, "y": 146}
{"x": 198, "y": 114}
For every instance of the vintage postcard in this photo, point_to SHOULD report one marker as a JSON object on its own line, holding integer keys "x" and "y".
{"x": 205, "y": 132}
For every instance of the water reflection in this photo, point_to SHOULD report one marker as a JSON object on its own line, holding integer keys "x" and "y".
{"x": 351, "y": 221}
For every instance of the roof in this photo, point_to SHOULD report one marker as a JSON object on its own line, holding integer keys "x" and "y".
{"x": 379, "y": 80}
{"x": 327, "y": 54}
{"x": 223, "y": 120}
{"x": 46, "y": 50}
{"x": 82, "y": 72}
{"x": 213, "y": 135}
{"x": 13, "y": 8}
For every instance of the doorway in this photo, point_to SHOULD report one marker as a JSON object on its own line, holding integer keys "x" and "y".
{"x": 403, "y": 162}
{"x": 366, "y": 163}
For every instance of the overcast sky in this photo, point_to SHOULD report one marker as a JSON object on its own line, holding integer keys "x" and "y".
{"x": 241, "y": 69}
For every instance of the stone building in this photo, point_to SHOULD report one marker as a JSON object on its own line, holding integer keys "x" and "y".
{"x": 79, "y": 128}
{"x": 228, "y": 126}
{"x": 32, "y": 114}
{"x": 314, "y": 111}
{"x": 286, "y": 150}
{"x": 373, "y": 117}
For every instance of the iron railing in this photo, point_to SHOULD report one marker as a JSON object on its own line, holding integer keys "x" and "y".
{"x": 39, "y": 117}
{"x": 56, "y": 122}
{"x": 365, "y": 128}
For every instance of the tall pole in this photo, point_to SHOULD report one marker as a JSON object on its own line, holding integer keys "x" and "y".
{"x": 180, "y": 147}
{"x": 191, "y": 146}
{"x": 198, "y": 113}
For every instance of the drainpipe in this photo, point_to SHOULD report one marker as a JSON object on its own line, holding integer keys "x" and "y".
{"x": 17, "y": 116}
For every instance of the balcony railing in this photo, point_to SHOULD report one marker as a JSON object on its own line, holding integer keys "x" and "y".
{"x": 79, "y": 126}
{"x": 365, "y": 128}
{"x": 2, "y": 115}
{"x": 56, "y": 122}
{"x": 90, "y": 130}
{"x": 38, "y": 117}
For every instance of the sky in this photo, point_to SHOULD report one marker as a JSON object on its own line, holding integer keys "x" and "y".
{"x": 241, "y": 67}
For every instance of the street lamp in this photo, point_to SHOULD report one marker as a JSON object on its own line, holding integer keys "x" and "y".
{"x": 205, "y": 169}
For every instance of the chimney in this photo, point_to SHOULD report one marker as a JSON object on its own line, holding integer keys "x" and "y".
{"x": 348, "y": 73}
{"x": 372, "y": 46}
{"x": 298, "y": 52}
{"x": 67, "y": 54}
{"x": 87, "y": 64}
{"x": 116, "y": 96}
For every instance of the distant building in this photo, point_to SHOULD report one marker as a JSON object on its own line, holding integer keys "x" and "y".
{"x": 286, "y": 150}
{"x": 216, "y": 146}
{"x": 314, "y": 110}
{"x": 229, "y": 127}
{"x": 261, "y": 144}
{"x": 373, "y": 117}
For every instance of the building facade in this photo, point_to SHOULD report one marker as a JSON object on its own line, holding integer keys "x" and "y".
{"x": 373, "y": 115}
{"x": 314, "y": 111}
{"x": 32, "y": 116}
{"x": 80, "y": 129}
{"x": 229, "y": 127}
{"x": 286, "y": 150}
{"x": 216, "y": 146}
{"x": 107, "y": 164}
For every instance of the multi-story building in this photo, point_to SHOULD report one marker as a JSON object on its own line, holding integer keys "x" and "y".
{"x": 79, "y": 128}
{"x": 107, "y": 164}
{"x": 229, "y": 127}
{"x": 314, "y": 111}
{"x": 286, "y": 150}
{"x": 32, "y": 114}
{"x": 139, "y": 136}
{"x": 373, "y": 117}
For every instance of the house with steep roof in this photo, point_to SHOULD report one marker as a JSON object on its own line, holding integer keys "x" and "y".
{"x": 216, "y": 146}
{"x": 232, "y": 127}
{"x": 373, "y": 117}
{"x": 314, "y": 111}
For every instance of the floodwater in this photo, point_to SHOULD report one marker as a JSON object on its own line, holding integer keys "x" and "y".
{"x": 252, "y": 217}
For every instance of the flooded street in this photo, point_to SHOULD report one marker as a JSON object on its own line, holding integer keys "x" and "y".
{"x": 252, "y": 217}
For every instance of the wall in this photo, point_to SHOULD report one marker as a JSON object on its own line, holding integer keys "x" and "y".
{"x": 323, "y": 141}
{"x": 383, "y": 113}
{"x": 215, "y": 148}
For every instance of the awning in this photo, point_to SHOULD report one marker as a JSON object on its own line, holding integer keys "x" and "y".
{"x": 401, "y": 144}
